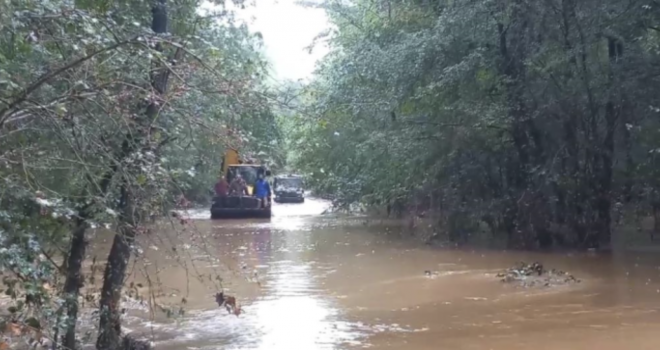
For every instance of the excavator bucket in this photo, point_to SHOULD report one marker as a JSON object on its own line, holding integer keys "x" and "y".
{"x": 238, "y": 208}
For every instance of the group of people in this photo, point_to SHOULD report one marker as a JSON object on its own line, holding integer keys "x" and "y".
{"x": 238, "y": 187}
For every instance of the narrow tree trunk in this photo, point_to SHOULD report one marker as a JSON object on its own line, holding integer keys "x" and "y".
{"x": 655, "y": 206}
{"x": 120, "y": 253}
{"x": 604, "y": 184}
{"x": 74, "y": 281}
{"x": 113, "y": 282}
{"x": 626, "y": 121}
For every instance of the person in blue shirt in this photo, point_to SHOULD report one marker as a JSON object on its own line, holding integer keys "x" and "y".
{"x": 262, "y": 190}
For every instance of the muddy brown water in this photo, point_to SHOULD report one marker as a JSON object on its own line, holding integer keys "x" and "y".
{"x": 309, "y": 281}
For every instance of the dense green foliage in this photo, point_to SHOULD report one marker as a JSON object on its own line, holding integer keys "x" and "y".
{"x": 536, "y": 118}
{"x": 109, "y": 111}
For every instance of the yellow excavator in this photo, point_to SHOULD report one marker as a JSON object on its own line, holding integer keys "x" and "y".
{"x": 240, "y": 206}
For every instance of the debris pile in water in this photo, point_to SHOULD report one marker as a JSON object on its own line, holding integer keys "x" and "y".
{"x": 535, "y": 275}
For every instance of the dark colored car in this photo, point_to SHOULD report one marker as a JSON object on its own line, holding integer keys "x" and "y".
{"x": 289, "y": 189}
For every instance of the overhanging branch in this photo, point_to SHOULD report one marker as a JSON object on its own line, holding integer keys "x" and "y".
{"x": 7, "y": 112}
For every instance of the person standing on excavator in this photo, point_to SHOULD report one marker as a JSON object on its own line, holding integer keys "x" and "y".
{"x": 238, "y": 187}
{"x": 222, "y": 187}
{"x": 262, "y": 190}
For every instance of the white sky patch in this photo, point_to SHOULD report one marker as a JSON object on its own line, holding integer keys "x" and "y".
{"x": 287, "y": 29}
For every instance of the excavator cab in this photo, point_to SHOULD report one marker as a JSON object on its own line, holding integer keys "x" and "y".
{"x": 241, "y": 205}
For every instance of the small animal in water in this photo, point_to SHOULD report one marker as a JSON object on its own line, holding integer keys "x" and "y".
{"x": 228, "y": 302}
{"x": 182, "y": 220}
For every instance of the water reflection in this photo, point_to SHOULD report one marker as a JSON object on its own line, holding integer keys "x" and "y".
{"x": 294, "y": 316}
{"x": 290, "y": 309}
{"x": 293, "y": 313}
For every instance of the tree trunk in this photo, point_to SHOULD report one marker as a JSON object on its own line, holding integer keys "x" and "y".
{"x": 74, "y": 280}
{"x": 120, "y": 253}
{"x": 604, "y": 184}
{"x": 626, "y": 121}
{"x": 113, "y": 282}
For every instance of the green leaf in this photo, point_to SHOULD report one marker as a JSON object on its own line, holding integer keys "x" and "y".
{"x": 141, "y": 179}
{"x": 33, "y": 322}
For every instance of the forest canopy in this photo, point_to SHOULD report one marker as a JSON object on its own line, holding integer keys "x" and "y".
{"x": 536, "y": 118}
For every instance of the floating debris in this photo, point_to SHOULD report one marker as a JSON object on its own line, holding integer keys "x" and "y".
{"x": 535, "y": 275}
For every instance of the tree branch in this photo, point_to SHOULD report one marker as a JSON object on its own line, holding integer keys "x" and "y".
{"x": 7, "y": 112}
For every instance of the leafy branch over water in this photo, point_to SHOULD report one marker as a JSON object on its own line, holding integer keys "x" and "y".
{"x": 109, "y": 112}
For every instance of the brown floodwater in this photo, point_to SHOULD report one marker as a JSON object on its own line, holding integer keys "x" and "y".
{"x": 308, "y": 281}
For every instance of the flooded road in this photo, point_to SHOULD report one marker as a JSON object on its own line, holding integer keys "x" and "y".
{"x": 309, "y": 281}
